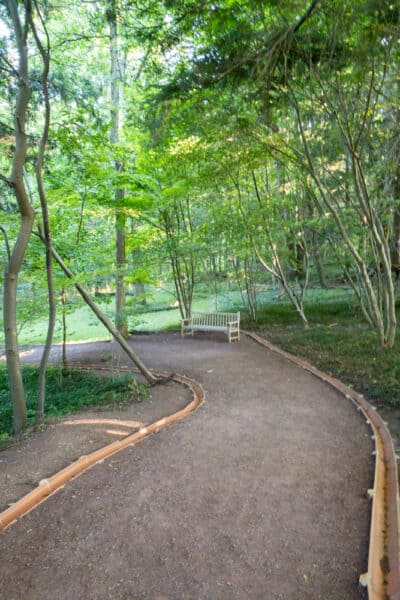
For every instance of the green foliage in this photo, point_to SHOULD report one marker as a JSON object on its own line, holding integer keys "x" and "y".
{"x": 215, "y": 173}
{"x": 68, "y": 392}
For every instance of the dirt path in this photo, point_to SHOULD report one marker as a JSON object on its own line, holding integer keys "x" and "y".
{"x": 259, "y": 495}
{"x": 64, "y": 440}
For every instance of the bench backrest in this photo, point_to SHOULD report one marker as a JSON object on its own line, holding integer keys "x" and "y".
{"x": 214, "y": 319}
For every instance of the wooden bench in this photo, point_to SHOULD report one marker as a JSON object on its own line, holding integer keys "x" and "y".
{"x": 199, "y": 321}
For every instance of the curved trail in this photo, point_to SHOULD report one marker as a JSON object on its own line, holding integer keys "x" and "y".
{"x": 260, "y": 494}
{"x": 52, "y": 484}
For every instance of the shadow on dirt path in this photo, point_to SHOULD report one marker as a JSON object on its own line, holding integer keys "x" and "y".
{"x": 258, "y": 495}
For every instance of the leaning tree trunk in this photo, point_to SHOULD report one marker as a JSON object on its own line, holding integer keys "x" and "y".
{"x": 106, "y": 321}
{"x": 26, "y": 212}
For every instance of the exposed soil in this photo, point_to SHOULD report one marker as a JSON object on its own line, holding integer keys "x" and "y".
{"x": 63, "y": 441}
{"x": 260, "y": 494}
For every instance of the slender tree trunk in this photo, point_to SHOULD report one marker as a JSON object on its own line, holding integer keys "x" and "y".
{"x": 64, "y": 328}
{"x": 395, "y": 240}
{"x": 395, "y": 185}
{"x": 251, "y": 291}
{"x": 120, "y": 289}
{"x": 182, "y": 273}
{"x": 45, "y": 54}
{"x": 26, "y": 214}
{"x": 383, "y": 317}
{"x": 317, "y": 261}
{"x": 116, "y": 75}
{"x": 277, "y": 271}
{"x": 105, "y": 320}
{"x": 138, "y": 287}
{"x": 6, "y": 242}
{"x": 140, "y": 291}
{"x": 214, "y": 270}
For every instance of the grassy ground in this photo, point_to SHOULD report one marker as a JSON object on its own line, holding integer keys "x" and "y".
{"x": 338, "y": 342}
{"x": 157, "y": 315}
{"x": 67, "y": 393}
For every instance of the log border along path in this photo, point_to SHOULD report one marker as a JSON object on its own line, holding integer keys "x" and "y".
{"x": 48, "y": 486}
{"x": 383, "y": 577}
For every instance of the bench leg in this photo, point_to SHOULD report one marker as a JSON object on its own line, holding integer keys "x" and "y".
{"x": 186, "y": 332}
{"x": 233, "y": 336}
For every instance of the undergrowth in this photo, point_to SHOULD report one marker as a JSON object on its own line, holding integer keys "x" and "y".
{"x": 67, "y": 392}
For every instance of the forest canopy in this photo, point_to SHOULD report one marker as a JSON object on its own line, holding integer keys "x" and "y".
{"x": 171, "y": 147}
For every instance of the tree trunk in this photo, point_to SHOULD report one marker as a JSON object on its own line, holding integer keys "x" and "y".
{"x": 116, "y": 74}
{"x": 381, "y": 314}
{"x": 317, "y": 261}
{"x": 138, "y": 287}
{"x": 120, "y": 291}
{"x": 395, "y": 185}
{"x": 140, "y": 291}
{"x": 45, "y": 54}
{"x": 105, "y": 320}
{"x": 26, "y": 214}
{"x": 64, "y": 329}
{"x": 395, "y": 241}
{"x": 251, "y": 291}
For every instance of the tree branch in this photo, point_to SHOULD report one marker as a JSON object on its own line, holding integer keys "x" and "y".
{"x": 6, "y": 242}
{"x": 306, "y": 15}
{"x": 78, "y": 38}
{"x": 7, "y": 181}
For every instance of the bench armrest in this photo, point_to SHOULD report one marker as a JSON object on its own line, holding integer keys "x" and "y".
{"x": 233, "y": 323}
{"x": 186, "y": 321}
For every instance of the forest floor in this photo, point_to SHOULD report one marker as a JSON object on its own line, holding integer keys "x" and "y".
{"x": 261, "y": 493}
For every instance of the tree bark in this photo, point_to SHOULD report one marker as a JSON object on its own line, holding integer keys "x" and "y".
{"x": 45, "y": 54}
{"x": 395, "y": 240}
{"x": 104, "y": 319}
{"x": 138, "y": 287}
{"x": 64, "y": 329}
{"x": 120, "y": 219}
{"x": 120, "y": 289}
{"x": 395, "y": 185}
{"x": 317, "y": 261}
{"x": 26, "y": 212}
{"x": 140, "y": 291}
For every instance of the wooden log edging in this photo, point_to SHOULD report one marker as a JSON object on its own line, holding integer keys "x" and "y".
{"x": 383, "y": 577}
{"x": 47, "y": 487}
